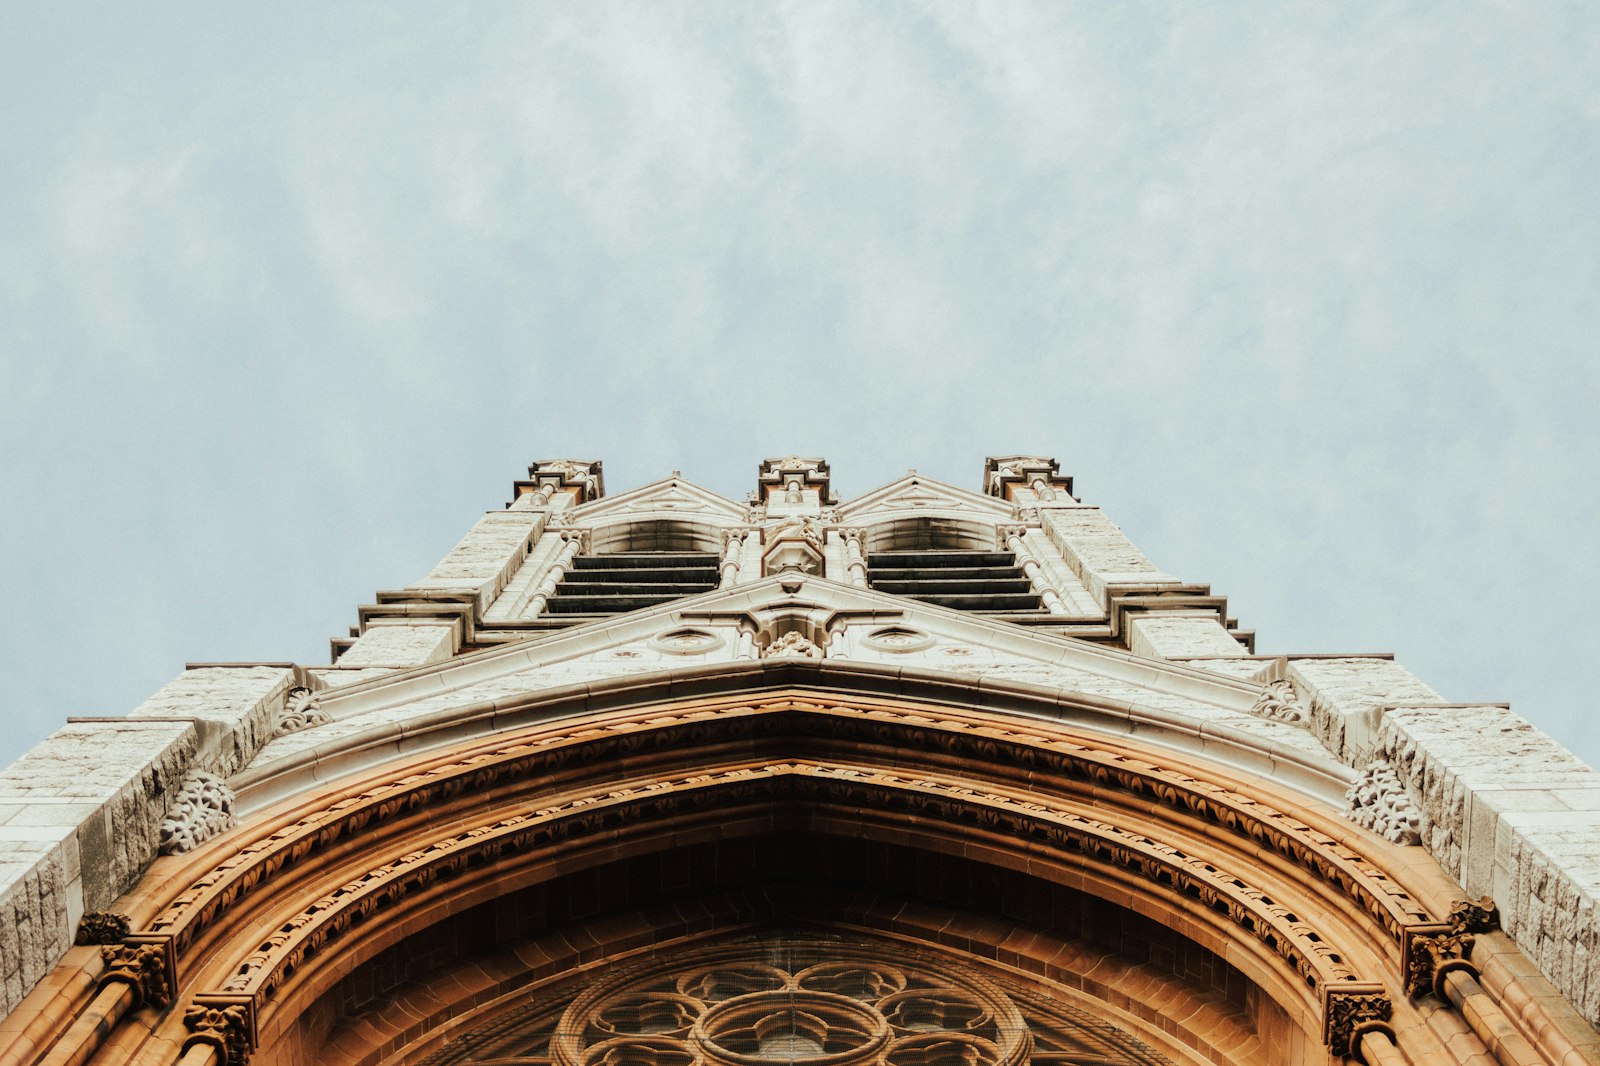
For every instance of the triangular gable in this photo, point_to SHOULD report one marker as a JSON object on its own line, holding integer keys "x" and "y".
{"x": 871, "y": 631}
{"x": 918, "y": 493}
{"x": 670, "y": 495}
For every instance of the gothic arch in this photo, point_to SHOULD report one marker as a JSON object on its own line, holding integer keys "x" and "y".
{"x": 1307, "y": 914}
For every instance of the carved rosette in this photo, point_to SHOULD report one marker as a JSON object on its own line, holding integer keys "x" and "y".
{"x": 202, "y": 809}
{"x": 1279, "y": 702}
{"x": 300, "y": 711}
{"x": 144, "y": 967}
{"x": 1350, "y": 1010}
{"x": 102, "y": 927}
{"x": 1378, "y": 801}
{"x": 225, "y": 1027}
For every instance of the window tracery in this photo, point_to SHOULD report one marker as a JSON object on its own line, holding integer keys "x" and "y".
{"x": 800, "y": 1000}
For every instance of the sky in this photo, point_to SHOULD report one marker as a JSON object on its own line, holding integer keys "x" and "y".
{"x": 1307, "y": 297}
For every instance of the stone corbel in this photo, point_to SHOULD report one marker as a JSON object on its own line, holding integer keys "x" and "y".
{"x": 1351, "y": 1010}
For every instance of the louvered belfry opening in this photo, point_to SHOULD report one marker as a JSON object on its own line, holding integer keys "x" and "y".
{"x": 966, "y": 580}
{"x": 597, "y": 586}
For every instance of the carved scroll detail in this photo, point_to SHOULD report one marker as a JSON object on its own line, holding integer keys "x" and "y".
{"x": 300, "y": 711}
{"x": 1281, "y": 703}
{"x": 202, "y": 809}
{"x": 1378, "y": 801}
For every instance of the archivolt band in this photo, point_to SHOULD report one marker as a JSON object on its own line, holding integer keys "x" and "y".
{"x": 803, "y": 874}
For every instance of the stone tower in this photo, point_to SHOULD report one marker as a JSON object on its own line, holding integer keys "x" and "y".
{"x": 927, "y": 777}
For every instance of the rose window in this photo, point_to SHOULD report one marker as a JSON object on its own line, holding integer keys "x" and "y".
{"x": 797, "y": 1001}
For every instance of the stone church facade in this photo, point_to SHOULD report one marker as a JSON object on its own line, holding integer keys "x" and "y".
{"x": 927, "y": 777}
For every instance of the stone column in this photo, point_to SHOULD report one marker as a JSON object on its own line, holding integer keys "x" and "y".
{"x": 574, "y": 540}
{"x": 1013, "y": 538}
{"x": 855, "y": 556}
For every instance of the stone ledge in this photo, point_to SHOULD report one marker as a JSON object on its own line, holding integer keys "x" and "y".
{"x": 80, "y": 818}
{"x": 1510, "y": 813}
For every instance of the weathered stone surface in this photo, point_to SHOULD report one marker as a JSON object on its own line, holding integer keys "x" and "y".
{"x": 486, "y": 558}
{"x": 1347, "y": 696}
{"x": 1098, "y": 551}
{"x": 79, "y": 818}
{"x": 1511, "y": 813}
{"x": 1179, "y": 635}
{"x": 236, "y": 710}
{"x": 400, "y": 646}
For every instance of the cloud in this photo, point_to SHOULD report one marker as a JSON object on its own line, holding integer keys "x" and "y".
{"x": 1304, "y": 298}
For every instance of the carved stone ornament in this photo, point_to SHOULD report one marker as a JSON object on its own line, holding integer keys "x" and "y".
{"x": 1350, "y": 1008}
{"x": 792, "y": 645}
{"x": 202, "y": 809}
{"x": 102, "y": 927}
{"x": 1378, "y": 801}
{"x": 144, "y": 966}
{"x": 226, "y": 1028}
{"x": 1431, "y": 951}
{"x": 1280, "y": 702}
{"x": 1475, "y": 915}
{"x": 300, "y": 711}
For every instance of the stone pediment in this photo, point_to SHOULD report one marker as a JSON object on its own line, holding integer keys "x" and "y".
{"x": 919, "y": 494}
{"x": 858, "y": 632}
{"x": 664, "y": 498}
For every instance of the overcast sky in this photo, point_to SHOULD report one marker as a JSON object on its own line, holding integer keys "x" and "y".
{"x": 1306, "y": 296}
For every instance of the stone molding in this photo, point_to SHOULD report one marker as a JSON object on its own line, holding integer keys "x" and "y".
{"x": 143, "y": 967}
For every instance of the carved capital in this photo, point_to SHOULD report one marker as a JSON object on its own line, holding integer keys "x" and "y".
{"x": 102, "y": 927}
{"x": 226, "y": 1026}
{"x": 144, "y": 967}
{"x": 1432, "y": 950}
{"x": 1349, "y": 1007}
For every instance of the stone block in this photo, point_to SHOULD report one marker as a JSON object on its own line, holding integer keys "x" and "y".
{"x": 1512, "y": 814}
{"x": 1097, "y": 550}
{"x": 1347, "y": 698}
{"x": 486, "y": 558}
{"x": 82, "y": 819}
{"x": 398, "y": 646}
{"x": 235, "y": 709}
{"x": 1180, "y": 635}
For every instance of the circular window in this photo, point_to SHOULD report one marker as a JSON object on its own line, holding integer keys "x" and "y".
{"x": 687, "y": 641}
{"x": 899, "y": 639}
